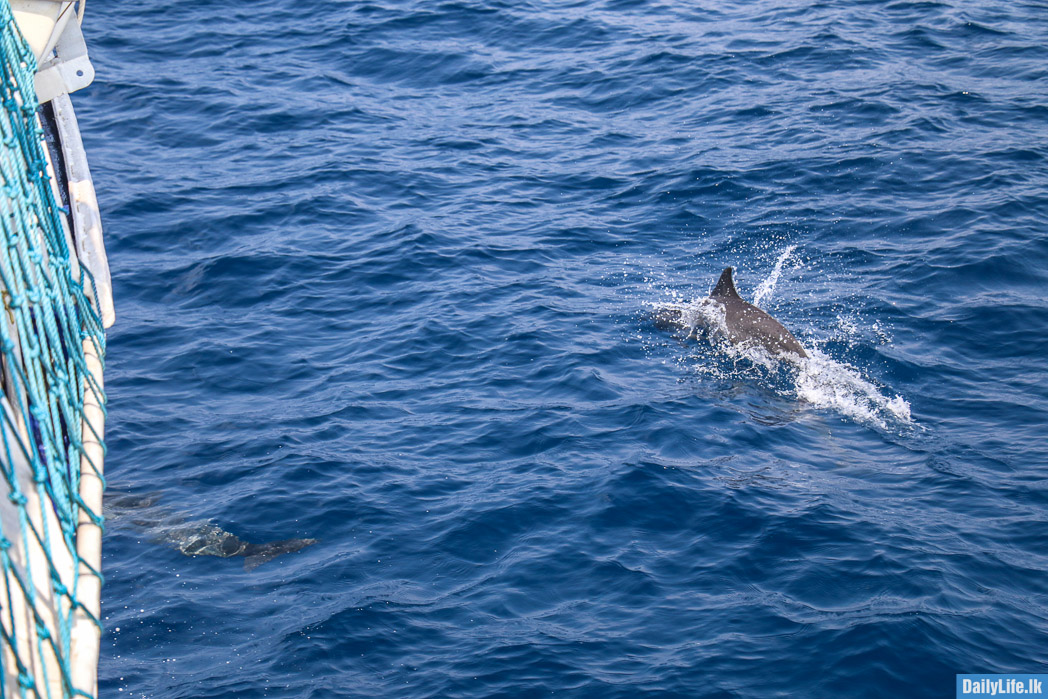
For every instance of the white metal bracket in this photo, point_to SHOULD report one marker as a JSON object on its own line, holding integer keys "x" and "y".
{"x": 69, "y": 69}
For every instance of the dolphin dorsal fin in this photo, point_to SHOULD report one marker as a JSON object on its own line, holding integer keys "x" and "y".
{"x": 725, "y": 286}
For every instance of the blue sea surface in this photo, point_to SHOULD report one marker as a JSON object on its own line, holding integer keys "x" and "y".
{"x": 384, "y": 274}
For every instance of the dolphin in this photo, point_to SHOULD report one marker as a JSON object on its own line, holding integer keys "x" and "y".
{"x": 196, "y": 537}
{"x": 743, "y": 322}
{"x": 206, "y": 539}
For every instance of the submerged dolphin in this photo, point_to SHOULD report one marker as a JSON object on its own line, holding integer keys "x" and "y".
{"x": 195, "y": 538}
{"x": 743, "y": 322}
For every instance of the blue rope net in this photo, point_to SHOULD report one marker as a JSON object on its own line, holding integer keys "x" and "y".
{"x": 45, "y": 321}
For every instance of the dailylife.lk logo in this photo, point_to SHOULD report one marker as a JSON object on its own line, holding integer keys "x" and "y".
{"x": 1002, "y": 686}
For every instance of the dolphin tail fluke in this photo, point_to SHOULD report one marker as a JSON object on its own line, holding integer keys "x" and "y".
{"x": 254, "y": 561}
{"x": 262, "y": 553}
{"x": 725, "y": 286}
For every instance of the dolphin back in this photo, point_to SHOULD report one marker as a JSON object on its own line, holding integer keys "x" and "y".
{"x": 742, "y": 322}
{"x": 745, "y": 322}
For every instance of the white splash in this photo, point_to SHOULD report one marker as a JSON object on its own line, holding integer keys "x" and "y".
{"x": 704, "y": 314}
{"x": 828, "y": 384}
{"x": 768, "y": 285}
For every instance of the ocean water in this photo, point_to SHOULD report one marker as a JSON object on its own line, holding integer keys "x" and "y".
{"x": 385, "y": 273}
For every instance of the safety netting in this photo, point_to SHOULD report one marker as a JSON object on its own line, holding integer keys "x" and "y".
{"x": 52, "y": 345}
